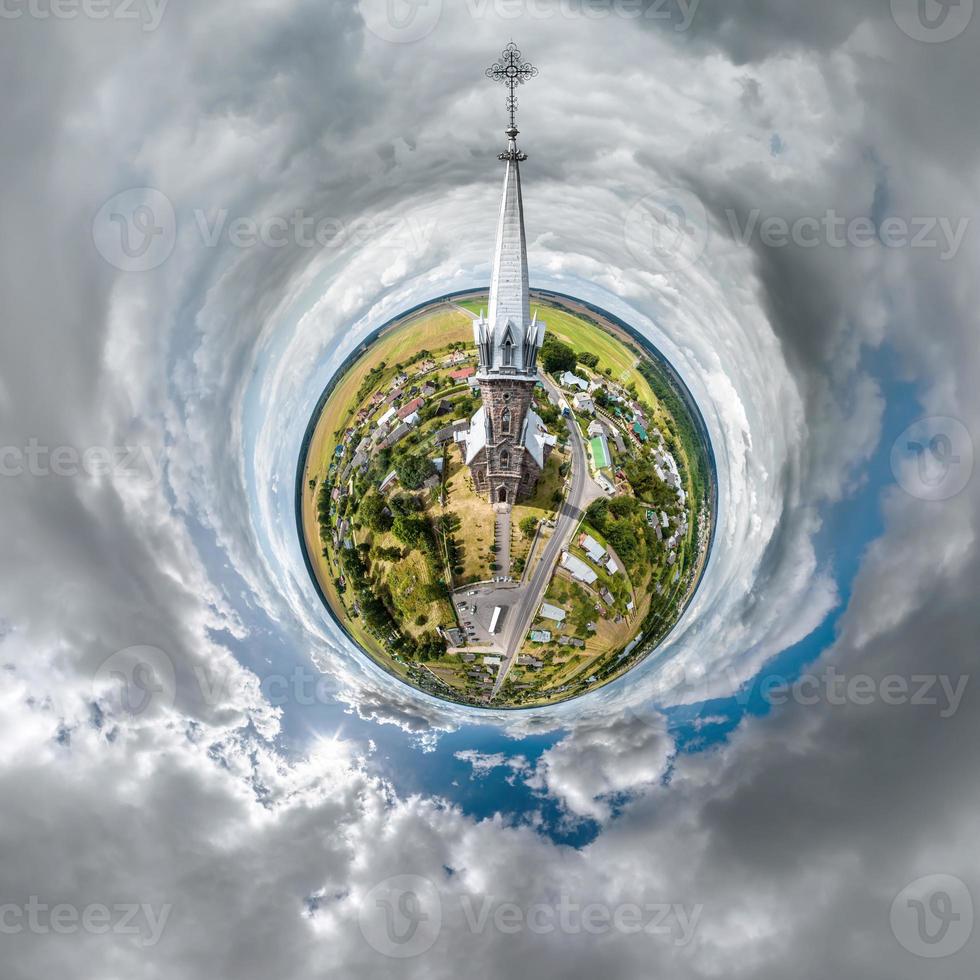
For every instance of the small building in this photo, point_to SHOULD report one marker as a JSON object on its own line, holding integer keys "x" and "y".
{"x": 462, "y": 374}
{"x": 577, "y": 568}
{"x": 412, "y": 419}
{"x": 607, "y": 597}
{"x": 596, "y": 428}
{"x": 611, "y": 566}
{"x": 454, "y": 637}
{"x": 592, "y": 547}
{"x": 397, "y": 435}
{"x": 583, "y": 403}
{"x": 569, "y": 380}
{"x": 491, "y": 661}
{"x": 428, "y": 390}
{"x": 540, "y": 636}
{"x": 639, "y": 431}
{"x": 386, "y": 417}
{"x": 549, "y": 611}
{"x": 410, "y": 408}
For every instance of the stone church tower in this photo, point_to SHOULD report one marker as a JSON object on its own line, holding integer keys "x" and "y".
{"x": 507, "y": 444}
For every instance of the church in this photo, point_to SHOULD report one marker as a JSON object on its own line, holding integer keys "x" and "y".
{"x": 507, "y": 444}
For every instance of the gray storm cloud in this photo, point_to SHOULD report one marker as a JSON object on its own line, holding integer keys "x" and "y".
{"x": 790, "y": 840}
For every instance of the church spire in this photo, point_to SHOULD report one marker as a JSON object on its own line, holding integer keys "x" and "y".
{"x": 507, "y": 339}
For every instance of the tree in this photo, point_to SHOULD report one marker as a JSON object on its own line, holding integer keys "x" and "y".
{"x": 413, "y": 470}
{"x": 528, "y": 526}
{"x": 374, "y": 513}
{"x": 556, "y": 356}
{"x": 411, "y": 531}
{"x": 588, "y": 358}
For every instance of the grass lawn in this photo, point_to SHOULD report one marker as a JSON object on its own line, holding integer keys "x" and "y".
{"x": 541, "y": 505}
{"x": 405, "y": 579}
{"x": 477, "y": 520}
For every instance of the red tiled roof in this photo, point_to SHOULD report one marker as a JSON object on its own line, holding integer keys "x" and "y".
{"x": 413, "y": 405}
{"x": 463, "y": 373}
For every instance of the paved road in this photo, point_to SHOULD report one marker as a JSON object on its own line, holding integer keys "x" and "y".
{"x": 502, "y": 540}
{"x": 582, "y": 491}
{"x": 520, "y": 605}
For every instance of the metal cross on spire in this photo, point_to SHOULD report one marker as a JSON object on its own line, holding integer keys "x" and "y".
{"x": 512, "y": 71}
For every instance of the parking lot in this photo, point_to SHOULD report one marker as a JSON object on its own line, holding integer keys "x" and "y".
{"x": 475, "y": 605}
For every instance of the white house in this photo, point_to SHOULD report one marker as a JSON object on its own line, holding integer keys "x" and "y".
{"x": 578, "y": 568}
{"x": 583, "y": 403}
{"x": 387, "y": 417}
{"x": 592, "y": 547}
{"x": 552, "y": 612}
{"x": 569, "y": 380}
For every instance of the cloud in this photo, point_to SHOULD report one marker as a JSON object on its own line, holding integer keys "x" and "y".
{"x": 783, "y": 847}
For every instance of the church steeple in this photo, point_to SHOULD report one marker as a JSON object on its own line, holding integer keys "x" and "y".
{"x": 507, "y": 340}
{"x": 507, "y": 445}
